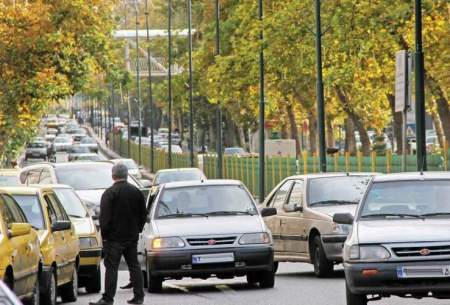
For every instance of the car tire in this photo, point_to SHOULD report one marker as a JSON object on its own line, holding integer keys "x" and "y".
{"x": 69, "y": 292}
{"x": 34, "y": 300}
{"x": 8, "y": 279}
{"x": 252, "y": 279}
{"x": 266, "y": 279}
{"x": 154, "y": 283}
{"x": 355, "y": 299}
{"x": 322, "y": 266}
{"x": 275, "y": 267}
{"x": 48, "y": 297}
{"x": 94, "y": 283}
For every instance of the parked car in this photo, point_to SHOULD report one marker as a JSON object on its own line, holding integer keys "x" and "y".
{"x": 133, "y": 168}
{"x": 400, "y": 241}
{"x": 58, "y": 242}
{"x": 9, "y": 177}
{"x": 303, "y": 229}
{"x": 89, "y": 143}
{"x": 89, "y": 273}
{"x": 222, "y": 234}
{"x": 176, "y": 149}
{"x": 36, "y": 150}
{"x": 177, "y": 175}
{"x": 89, "y": 179}
{"x": 19, "y": 248}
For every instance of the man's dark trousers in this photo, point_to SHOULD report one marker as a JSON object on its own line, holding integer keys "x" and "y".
{"x": 113, "y": 251}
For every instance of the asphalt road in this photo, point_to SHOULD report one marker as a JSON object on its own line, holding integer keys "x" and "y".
{"x": 295, "y": 285}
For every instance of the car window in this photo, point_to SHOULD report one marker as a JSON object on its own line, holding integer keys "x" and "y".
{"x": 296, "y": 196}
{"x": 61, "y": 214}
{"x": 33, "y": 176}
{"x": 15, "y": 212}
{"x": 71, "y": 203}
{"x": 279, "y": 198}
{"x": 53, "y": 211}
{"x": 31, "y": 207}
{"x": 45, "y": 177}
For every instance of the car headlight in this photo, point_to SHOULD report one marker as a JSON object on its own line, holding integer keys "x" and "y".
{"x": 88, "y": 242}
{"x": 367, "y": 253}
{"x": 167, "y": 242}
{"x": 341, "y": 229}
{"x": 255, "y": 238}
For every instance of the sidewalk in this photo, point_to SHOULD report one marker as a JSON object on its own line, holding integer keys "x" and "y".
{"x": 110, "y": 154}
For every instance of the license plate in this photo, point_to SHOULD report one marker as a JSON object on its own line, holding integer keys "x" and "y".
{"x": 414, "y": 272}
{"x": 213, "y": 258}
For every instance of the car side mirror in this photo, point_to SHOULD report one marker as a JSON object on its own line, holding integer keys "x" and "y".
{"x": 291, "y": 208}
{"x": 343, "y": 218}
{"x": 19, "y": 229}
{"x": 266, "y": 212}
{"x": 61, "y": 226}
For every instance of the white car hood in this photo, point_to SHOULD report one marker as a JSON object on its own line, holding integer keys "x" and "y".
{"x": 404, "y": 230}
{"x": 334, "y": 209}
{"x": 83, "y": 226}
{"x": 216, "y": 225}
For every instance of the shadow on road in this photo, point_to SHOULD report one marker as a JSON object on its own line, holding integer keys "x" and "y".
{"x": 335, "y": 275}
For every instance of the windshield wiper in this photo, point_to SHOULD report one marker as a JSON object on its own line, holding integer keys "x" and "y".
{"x": 392, "y": 215}
{"x": 436, "y": 214}
{"x": 338, "y": 202}
{"x": 180, "y": 215}
{"x": 231, "y": 213}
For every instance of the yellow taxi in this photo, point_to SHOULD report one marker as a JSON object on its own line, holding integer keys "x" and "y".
{"x": 19, "y": 248}
{"x": 9, "y": 177}
{"x": 90, "y": 240}
{"x": 58, "y": 242}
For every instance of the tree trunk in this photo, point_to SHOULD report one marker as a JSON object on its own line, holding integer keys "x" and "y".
{"x": 330, "y": 134}
{"x": 398, "y": 124}
{"x": 350, "y": 142}
{"x": 241, "y": 137}
{"x": 439, "y": 131}
{"x": 312, "y": 121}
{"x": 294, "y": 128}
{"x": 442, "y": 105}
{"x": 284, "y": 130}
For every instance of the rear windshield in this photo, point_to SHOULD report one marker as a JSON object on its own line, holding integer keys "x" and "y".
{"x": 176, "y": 176}
{"x": 408, "y": 199}
{"x": 37, "y": 145}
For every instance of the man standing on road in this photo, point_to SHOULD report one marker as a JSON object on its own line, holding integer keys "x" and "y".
{"x": 122, "y": 218}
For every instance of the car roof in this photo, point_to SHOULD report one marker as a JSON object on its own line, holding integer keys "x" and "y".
{"x": 23, "y": 190}
{"x": 408, "y": 176}
{"x": 201, "y": 183}
{"x": 171, "y": 170}
{"x": 337, "y": 174}
{"x": 64, "y": 164}
{"x": 9, "y": 172}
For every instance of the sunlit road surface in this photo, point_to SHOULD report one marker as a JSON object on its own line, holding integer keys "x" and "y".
{"x": 295, "y": 285}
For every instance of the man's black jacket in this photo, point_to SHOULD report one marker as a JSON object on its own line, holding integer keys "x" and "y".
{"x": 122, "y": 212}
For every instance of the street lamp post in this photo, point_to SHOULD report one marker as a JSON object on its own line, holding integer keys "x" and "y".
{"x": 219, "y": 110}
{"x": 138, "y": 85}
{"x": 113, "y": 115}
{"x": 420, "y": 92}
{"x": 169, "y": 71}
{"x": 319, "y": 90}
{"x": 150, "y": 91}
{"x": 191, "y": 111}
{"x": 262, "y": 154}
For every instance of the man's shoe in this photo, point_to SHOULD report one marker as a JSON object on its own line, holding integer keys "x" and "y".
{"x": 127, "y": 286}
{"x": 136, "y": 301}
{"x": 101, "y": 302}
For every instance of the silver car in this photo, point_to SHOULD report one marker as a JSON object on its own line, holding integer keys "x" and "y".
{"x": 400, "y": 242}
{"x": 203, "y": 229}
{"x": 36, "y": 150}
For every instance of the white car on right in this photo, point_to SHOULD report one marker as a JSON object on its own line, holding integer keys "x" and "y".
{"x": 400, "y": 241}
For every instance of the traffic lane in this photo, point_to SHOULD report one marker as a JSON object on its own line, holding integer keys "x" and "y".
{"x": 295, "y": 284}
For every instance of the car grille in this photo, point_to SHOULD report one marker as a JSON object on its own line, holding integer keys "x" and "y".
{"x": 422, "y": 251}
{"x": 212, "y": 241}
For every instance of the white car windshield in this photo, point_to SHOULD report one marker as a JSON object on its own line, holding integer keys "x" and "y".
{"x": 71, "y": 203}
{"x": 406, "y": 199}
{"x": 206, "y": 200}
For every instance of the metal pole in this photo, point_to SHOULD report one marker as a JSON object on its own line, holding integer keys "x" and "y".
{"x": 111, "y": 131}
{"x": 169, "y": 70}
{"x": 101, "y": 119}
{"x": 319, "y": 91}
{"x": 405, "y": 112}
{"x": 138, "y": 86}
{"x": 420, "y": 93}
{"x": 219, "y": 110}
{"x": 150, "y": 92}
{"x": 262, "y": 154}
{"x": 129, "y": 126}
{"x": 191, "y": 110}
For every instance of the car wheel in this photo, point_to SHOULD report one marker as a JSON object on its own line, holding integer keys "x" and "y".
{"x": 69, "y": 292}
{"x": 48, "y": 297}
{"x": 355, "y": 299}
{"x": 9, "y": 280}
{"x": 94, "y": 283}
{"x": 322, "y": 266}
{"x": 252, "y": 279}
{"x": 275, "y": 267}
{"x": 34, "y": 300}
{"x": 266, "y": 279}
{"x": 154, "y": 283}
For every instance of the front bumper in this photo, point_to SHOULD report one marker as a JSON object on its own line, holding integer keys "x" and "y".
{"x": 89, "y": 261}
{"x": 178, "y": 263}
{"x": 333, "y": 246}
{"x": 386, "y": 281}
